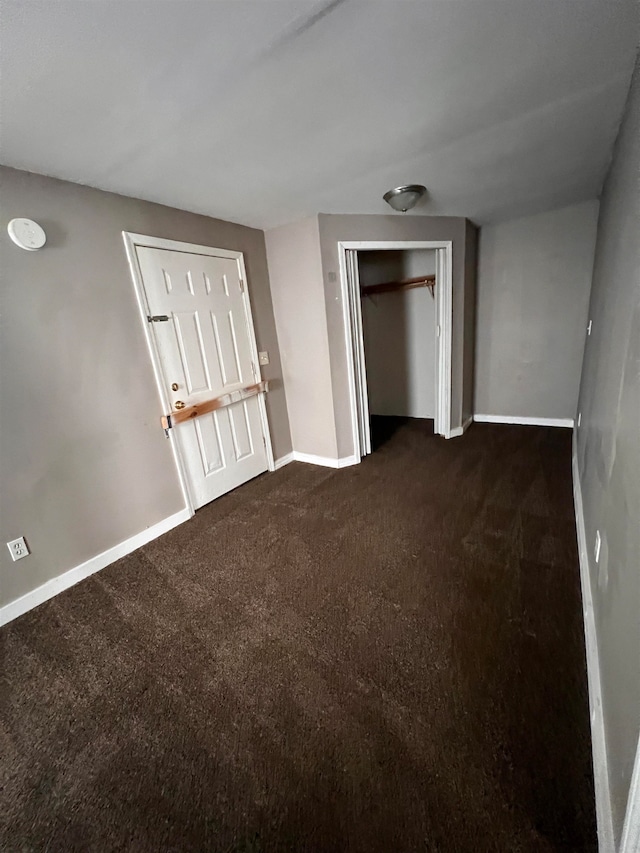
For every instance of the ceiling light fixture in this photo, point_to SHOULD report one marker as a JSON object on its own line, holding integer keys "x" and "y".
{"x": 404, "y": 198}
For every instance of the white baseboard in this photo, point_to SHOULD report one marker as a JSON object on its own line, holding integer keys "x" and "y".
{"x": 457, "y": 431}
{"x": 312, "y": 459}
{"x": 606, "y": 843}
{"x": 326, "y": 461}
{"x": 346, "y": 461}
{"x": 524, "y": 421}
{"x": 47, "y": 590}
{"x": 283, "y": 460}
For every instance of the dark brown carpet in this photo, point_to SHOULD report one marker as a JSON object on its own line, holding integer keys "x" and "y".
{"x": 383, "y": 658}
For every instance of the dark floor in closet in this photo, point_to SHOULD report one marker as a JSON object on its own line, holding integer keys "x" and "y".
{"x": 387, "y": 657}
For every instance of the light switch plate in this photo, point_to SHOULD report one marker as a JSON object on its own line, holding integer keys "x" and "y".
{"x": 263, "y": 357}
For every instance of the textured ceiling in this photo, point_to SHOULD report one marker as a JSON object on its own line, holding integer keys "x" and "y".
{"x": 265, "y": 112}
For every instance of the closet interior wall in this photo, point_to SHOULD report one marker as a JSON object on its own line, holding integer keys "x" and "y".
{"x": 399, "y": 334}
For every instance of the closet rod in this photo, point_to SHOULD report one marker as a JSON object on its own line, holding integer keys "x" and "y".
{"x": 404, "y": 284}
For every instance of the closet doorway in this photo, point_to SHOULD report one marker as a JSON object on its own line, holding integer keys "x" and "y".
{"x": 397, "y": 301}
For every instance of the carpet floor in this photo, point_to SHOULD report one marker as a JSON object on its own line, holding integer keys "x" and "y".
{"x": 387, "y": 657}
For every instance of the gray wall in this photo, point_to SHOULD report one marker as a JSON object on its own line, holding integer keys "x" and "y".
{"x": 609, "y": 451}
{"x": 470, "y": 313}
{"x": 340, "y": 228}
{"x": 399, "y": 335}
{"x": 85, "y": 464}
{"x": 295, "y": 273}
{"x": 534, "y": 280}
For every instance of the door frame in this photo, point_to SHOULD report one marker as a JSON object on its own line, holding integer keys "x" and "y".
{"x": 354, "y": 337}
{"x": 131, "y": 242}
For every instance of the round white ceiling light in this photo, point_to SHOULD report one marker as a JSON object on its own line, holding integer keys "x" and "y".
{"x": 404, "y": 198}
{"x": 27, "y": 234}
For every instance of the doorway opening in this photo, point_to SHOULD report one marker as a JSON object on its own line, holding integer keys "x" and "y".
{"x": 397, "y": 299}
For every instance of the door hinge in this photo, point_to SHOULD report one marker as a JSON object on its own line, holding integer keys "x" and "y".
{"x": 242, "y": 285}
{"x": 158, "y": 318}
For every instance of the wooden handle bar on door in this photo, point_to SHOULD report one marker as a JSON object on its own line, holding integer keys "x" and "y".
{"x": 190, "y": 412}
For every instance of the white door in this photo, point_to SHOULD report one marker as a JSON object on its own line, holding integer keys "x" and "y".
{"x": 206, "y": 350}
{"x": 362, "y": 398}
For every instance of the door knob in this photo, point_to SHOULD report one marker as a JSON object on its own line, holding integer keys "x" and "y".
{"x": 179, "y": 404}
{"x": 174, "y": 386}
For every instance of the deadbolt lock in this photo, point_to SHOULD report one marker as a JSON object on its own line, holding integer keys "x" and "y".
{"x": 174, "y": 386}
{"x": 179, "y": 404}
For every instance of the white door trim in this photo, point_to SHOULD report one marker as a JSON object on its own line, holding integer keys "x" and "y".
{"x": 354, "y": 340}
{"x": 630, "y": 841}
{"x": 444, "y": 318}
{"x": 131, "y": 241}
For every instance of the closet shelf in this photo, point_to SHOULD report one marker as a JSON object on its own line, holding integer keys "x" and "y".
{"x": 404, "y": 284}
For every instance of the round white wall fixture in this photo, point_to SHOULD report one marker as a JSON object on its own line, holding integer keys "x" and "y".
{"x": 27, "y": 234}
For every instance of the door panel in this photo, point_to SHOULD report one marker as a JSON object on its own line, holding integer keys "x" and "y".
{"x": 192, "y": 352}
{"x": 205, "y": 349}
{"x": 209, "y": 443}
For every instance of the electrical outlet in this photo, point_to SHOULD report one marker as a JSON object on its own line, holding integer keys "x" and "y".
{"x": 596, "y": 547}
{"x": 18, "y": 549}
{"x": 263, "y": 357}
